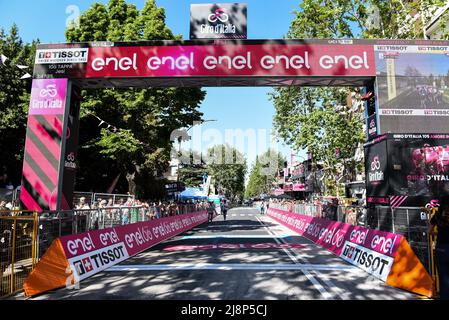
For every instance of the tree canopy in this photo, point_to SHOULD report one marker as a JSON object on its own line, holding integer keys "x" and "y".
{"x": 263, "y": 173}
{"x": 145, "y": 118}
{"x": 14, "y": 102}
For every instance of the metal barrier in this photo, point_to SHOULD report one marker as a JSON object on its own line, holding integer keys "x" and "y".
{"x": 411, "y": 222}
{"x": 116, "y": 198}
{"x": 18, "y": 249}
{"x": 54, "y": 224}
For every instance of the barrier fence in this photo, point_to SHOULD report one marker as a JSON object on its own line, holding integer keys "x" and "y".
{"x": 18, "y": 249}
{"x": 25, "y": 236}
{"x": 411, "y": 222}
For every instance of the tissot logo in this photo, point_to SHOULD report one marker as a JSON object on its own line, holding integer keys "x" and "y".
{"x": 54, "y": 56}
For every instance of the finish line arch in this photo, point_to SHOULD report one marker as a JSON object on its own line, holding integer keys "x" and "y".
{"x": 62, "y": 70}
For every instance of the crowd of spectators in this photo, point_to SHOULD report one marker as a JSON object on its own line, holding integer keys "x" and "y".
{"x": 132, "y": 210}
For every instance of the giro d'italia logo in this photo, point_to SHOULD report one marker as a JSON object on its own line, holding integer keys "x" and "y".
{"x": 375, "y": 165}
{"x": 220, "y": 15}
{"x": 376, "y": 176}
{"x": 50, "y": 91}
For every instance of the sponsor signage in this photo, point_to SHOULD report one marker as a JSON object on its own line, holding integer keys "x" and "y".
{"x": 385, "y": 255}
{"x": 86, "y": 254}
{"x": 58, "y": 56}
{"x": 376, "y": 170}
{"x": 218, "y": 21}
{"x": 412, "y": 85}
{"x": 372, "y": 127}
{"x": 231, "y": 60}
{"x": 48, "y": 96}
{"x": 375, "y": 263}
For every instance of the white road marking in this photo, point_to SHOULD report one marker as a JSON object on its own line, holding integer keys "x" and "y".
{"x": 326, "y": 294}
{"x": 324, "y": 278}
{"x": 228, "y": 266}
{"x": 234, "y": 214}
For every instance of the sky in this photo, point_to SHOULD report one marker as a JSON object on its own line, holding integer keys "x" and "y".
{"x": 234, "y": 108}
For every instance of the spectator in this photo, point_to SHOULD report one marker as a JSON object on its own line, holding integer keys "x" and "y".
{"x": 82, "y": 205}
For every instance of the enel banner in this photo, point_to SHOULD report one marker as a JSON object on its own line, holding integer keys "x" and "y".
{"x": 73, "y": 258}
{"x": 385, "y": 255}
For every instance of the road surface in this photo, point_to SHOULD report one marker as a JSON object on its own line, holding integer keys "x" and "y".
{"x": 249, "y": 256}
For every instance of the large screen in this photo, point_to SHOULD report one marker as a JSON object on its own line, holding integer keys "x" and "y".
{"x": 412, "y": 85}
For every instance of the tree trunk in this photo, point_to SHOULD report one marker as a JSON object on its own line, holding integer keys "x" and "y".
{"x": 130, "y": 177}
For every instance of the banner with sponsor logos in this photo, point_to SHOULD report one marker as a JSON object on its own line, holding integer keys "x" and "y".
{"x": 386, "y": 256}
{"x": 407, "y": 170}
{"x": 70, "y": 259}
{"x": 218, "y": 21}
{"x": 44, "y": 144}
{"x": 178, "y": 60}
{"x": 413, "y": 92}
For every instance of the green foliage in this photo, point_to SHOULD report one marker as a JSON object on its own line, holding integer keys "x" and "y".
{"x": 146, "y": 117}
{"x": 317, "y": 119}
{"x": 14, "y": 100}
{"x": 227, "y": 166}
{"x": 193, "y": 170}
{"x": 263, "y": 173}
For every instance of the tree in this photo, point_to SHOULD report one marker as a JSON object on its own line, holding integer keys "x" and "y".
{"x": 191, "y": 172}
{"x": 319, "y": 119}
{"x": 227, "y": 166}
{"x": 140, "y": 149}
{"x": 14, "y": 101}
{"x": 263, "y": 173}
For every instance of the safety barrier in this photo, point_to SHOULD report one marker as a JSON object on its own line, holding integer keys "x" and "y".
{"x": 385, "y": 255}
{"x": 54, "y": 224}
{"x": 18, "y": 249}
{"x": 73, "y": 258}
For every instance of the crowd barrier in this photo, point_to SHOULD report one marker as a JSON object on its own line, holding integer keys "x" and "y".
{"x": 73, "y": 258}
{"x": 385, "y": 255}
{"x": 410, "y": 222}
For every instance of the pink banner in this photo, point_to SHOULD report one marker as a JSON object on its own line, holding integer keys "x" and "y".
{"x": 48, "y": 96}
{"x": 370, "y": 250}
{"x": 232, "y": 60}
{"x": 91, "y": 252}
{"x": 332, "y": 234}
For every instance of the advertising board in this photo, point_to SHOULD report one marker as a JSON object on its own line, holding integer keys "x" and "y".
{"x": 386, "y": 256}
{"x": 73, "y": 258}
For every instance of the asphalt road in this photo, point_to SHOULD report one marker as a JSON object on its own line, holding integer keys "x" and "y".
{"x": 249, "y": 256}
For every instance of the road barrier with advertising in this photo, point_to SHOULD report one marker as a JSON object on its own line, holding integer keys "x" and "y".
{"x": 386, "y": 256}
{"x": 73, "y": 258}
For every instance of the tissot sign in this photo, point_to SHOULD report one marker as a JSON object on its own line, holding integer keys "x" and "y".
{"x": 222, "y": 21}
{"x": 230, "y": 60}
